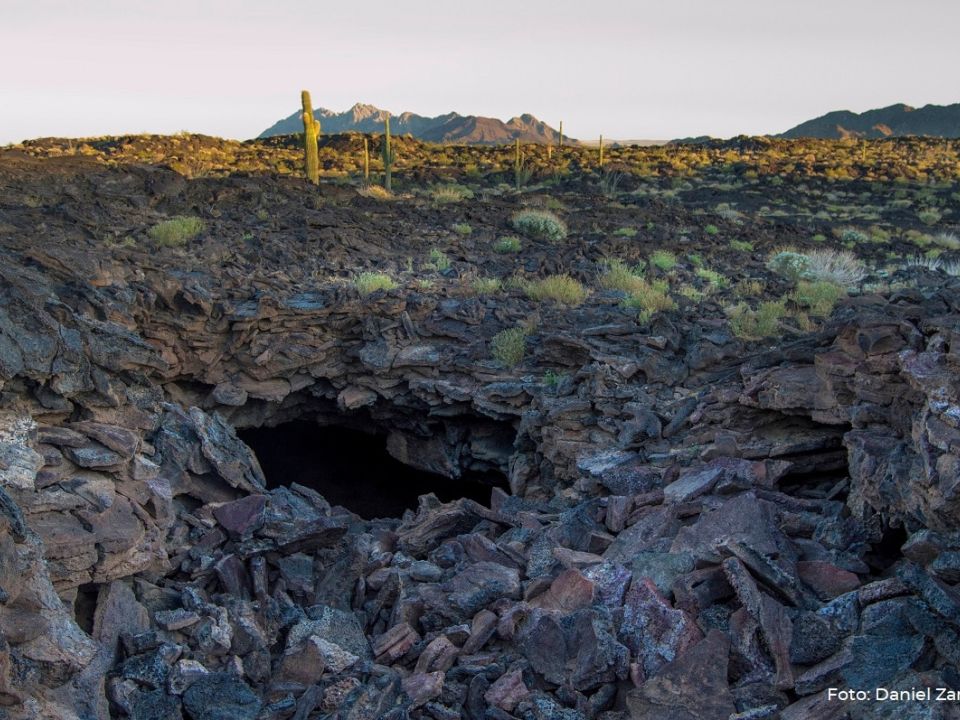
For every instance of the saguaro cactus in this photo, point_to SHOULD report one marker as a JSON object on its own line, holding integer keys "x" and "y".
{"x": 560, "y": 135}
{"x": 311, "y": 130}
{"x": 601, "y": 151}
{"x": 389, "y": 155}
{"x": 517, "y": 165}
{"x": 366, "y": 160}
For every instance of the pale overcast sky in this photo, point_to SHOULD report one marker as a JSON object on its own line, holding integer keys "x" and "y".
{"x": 643, "y": 69}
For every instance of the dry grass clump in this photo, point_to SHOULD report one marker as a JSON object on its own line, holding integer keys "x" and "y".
{"x": 562, "y": 289}
{"x": 176, "y": 231}
{"x": 617, "y": 275}
{"x": 946, "y": 240}
{"x": 541, "y": 224}
{"x": 840, "y": 268}
{"x": 368, "y": 282}
{"x": 450, "y": 193}
{"x": 376, "y": 192}
{"x": 486, "y": 285}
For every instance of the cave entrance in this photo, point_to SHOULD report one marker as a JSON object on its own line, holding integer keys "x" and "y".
{"x": 352, "y": 468}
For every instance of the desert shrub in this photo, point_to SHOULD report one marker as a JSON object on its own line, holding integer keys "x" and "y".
{"x": 663, "y": 260}
{"x": 559, "y": 288}
{"x": 711, "y": 230}
{"x": 462, "y": 229}
{"x": 789, "y": 264}
{"x": 627, "y": 232}
{"x": 947, "y": 240}
{"x": 852, "y": 236}
{"x": 450, "y": 193}
{"x": 439, "y": 260}
{"x": 741, "y": 245}
{"x": 935, "y": 264}
{"x": 508, "y": 244}
{"x": 820, "y": 296}
{"x": 929, "y": 216}
{"x": 748, "y": 288}
{"x": 176, "y": 231}
{"x": 756, "y": 324}
{"x": 541, "y": 224}
{"x": 508, "y": 346}
{"x": 486, "y": 286}
{"x": 840, "y": 268}
{"x": 551, "y": 378}
{"x": 368, "y": 282}
{"x": 712, "y": 277}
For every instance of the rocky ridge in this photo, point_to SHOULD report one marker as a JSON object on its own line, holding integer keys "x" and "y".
{"x": 695, "y": 528}
{"x": 447, "y": 128}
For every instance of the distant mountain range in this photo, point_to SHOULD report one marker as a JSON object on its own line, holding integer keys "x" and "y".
{"x": 449, "y": 128}
{"x": 893, "y": 121}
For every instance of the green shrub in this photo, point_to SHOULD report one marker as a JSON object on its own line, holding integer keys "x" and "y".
{"x": 628, "y": 232}
{"x": 439, "y": 260}
{"x": 368, "y": 282}
{"x": 756, "y": 324}
{"x": 508, "y": 346}
{"x": 715, "y": 279}
{"x": 789, "y": 264}
{"x": 663, "y": 260}
{"x": 540, "y": 224}
{"x": 711, "y": 230}
{"x": 741, "y": 245}
{"x": 176, "y": 231}
{"x": 852, "y": 236}
{"x": 508, "y": 244}
{"x": 820, "y": 296}
{"x": 551, "y": 378}
{"x": 929, "y": 216}
{"x": 559, "y": 288}
{"x": 462, "y": 229}
{"x": 649, "y": 298}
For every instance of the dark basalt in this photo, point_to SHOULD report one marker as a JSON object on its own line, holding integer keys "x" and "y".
{"x": 696, "y": 527}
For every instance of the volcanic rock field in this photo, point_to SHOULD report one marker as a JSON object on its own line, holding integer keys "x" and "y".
{"x": 238, "y": 483}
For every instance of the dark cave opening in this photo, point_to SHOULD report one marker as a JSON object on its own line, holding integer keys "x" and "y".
{"x": 353, "y": 469}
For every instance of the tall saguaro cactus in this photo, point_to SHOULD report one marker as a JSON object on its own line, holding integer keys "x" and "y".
{"x": 517, "y": 166}
{"x": 560, "y": 135}
{"x": 389, "y": 155}
{"x": 366, "y": 160}
{"x": 311, "y": 130}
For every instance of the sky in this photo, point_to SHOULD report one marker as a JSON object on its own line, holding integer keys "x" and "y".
{"x": 640, "y": 69}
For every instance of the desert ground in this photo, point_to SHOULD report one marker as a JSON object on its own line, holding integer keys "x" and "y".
{"x": 675, "y": 437}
